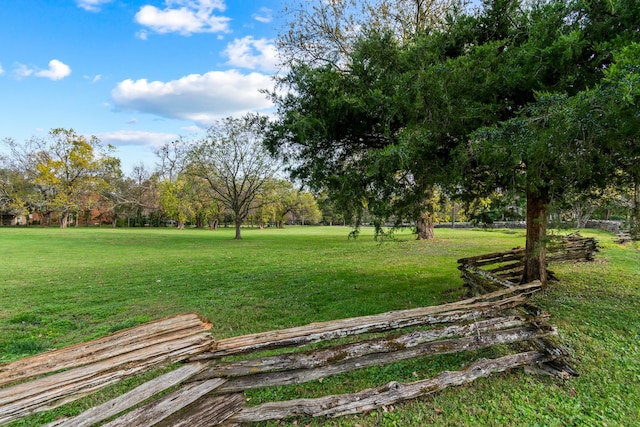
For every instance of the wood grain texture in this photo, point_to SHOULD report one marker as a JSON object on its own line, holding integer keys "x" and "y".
{"x": 57, "y": 389}
{"x": 112, "y": 345}
{"x": 316, "y": 332}
{"x": 132, "y": 398}
{"x": 369, "y": 399}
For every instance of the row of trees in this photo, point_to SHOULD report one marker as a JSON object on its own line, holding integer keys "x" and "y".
{"x": 227, "y": 176}
{"x": 70, "y": 176}
{"x": 47, "y": 179}
{"x": 387, "y": 102}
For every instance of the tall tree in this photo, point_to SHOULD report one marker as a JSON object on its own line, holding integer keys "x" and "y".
{"x": 234, "y": 162}
{"x": 556, "y": 141}
{"x": 356, "y": 94}
{"x": 391, "y": 120}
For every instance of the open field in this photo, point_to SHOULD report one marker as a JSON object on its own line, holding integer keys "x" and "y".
{"x": 59, "y": 287}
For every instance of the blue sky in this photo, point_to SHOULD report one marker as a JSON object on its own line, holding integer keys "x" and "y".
{"x": 135, "y": 73}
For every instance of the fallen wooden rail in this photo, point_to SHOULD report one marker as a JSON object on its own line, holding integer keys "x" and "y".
{"x": 366, "y": 400}
{"x": 163, "y": 332}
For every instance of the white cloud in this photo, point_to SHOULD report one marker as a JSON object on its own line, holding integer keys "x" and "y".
{"x": 247, "y": 52}
{"x": 1, "y": 70}
{"x": 184, "y": 17}
{"x": 22, "y": 70}
{"x": 193, "y": 129}
{"x": 198, "y": 98}
{"x": 265, "y": 15}
{"x": 94, "y": 79}
{"x": 91, "y": 5}
{"x": 57, "y": 70}
{"x": 137, "y": 138}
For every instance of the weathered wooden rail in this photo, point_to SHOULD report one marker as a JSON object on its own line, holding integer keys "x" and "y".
{"x": 208, "y": 389}
{"x": 79, "y": 370}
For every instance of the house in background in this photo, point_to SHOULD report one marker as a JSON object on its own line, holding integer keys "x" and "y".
{"x": 11, "y": 219}
{"x": 91, "y": 217}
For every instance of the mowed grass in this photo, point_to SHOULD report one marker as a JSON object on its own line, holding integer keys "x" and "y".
{"x": 59, "y": 287}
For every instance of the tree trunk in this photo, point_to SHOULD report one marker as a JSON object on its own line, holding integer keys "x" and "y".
{"x": 238, "y": 224}
{"x": 454, "y": 211}
{"x": 634, "y": 227}
{"x": 582, "y": 212}
{"x": 425, "y": 226}
{"x": 535, "y": 267}
{"x": 425, "y": 223}
{"x": 64, "y": 219}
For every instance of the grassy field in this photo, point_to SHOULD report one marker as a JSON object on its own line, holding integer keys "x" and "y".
{"x": 59, "y": 287}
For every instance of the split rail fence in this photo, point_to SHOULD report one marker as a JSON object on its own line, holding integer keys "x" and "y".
{"x": 207, "y": 387}
{"x": 488, "y": 272}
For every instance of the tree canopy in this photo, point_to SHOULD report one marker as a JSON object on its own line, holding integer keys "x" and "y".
{"x": 62, "y": 171}
{"x": 508, "y": 97}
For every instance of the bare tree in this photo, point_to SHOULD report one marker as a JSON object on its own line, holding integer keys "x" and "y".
{"x": 320, "y": 32}
{"x": 172, "y": 157}
{"x": 233, "y": 160}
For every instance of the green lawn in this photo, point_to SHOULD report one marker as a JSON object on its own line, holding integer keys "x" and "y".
{"x": 59, "y": 287}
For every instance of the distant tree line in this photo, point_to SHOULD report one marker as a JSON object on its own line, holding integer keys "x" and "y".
{"x": 70, "y": 179}
{"x": 225, "y": 178}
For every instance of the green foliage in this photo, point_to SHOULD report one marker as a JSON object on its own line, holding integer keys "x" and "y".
{"x": 59, "y": 173}
{"x": 278, "y": 202}
{"x": 476, "y": 104}
{"x": 14, "y": 191}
